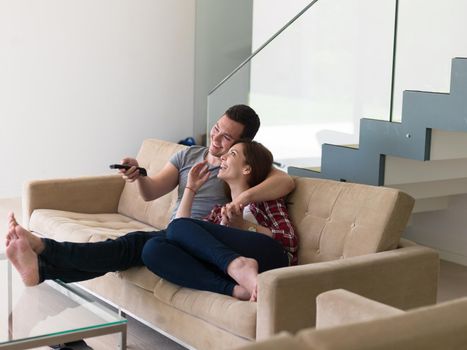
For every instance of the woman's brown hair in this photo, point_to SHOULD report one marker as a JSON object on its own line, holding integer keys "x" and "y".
{"x": 259, "y": 158}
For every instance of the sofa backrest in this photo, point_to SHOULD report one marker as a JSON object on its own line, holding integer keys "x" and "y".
{"x": 153, "y": 155}
{"x": 338, "y": 219}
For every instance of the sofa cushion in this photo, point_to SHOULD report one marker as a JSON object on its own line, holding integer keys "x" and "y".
{"x": 79, "y": 227}
{"x": 338, "y": 219}
{"x": 153, "y": 155}
{"x": 141, "y": 277}
{"x": 233, "y": 315}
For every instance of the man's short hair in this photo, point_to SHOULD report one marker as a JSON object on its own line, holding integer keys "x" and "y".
{"x": 246, "y": 116}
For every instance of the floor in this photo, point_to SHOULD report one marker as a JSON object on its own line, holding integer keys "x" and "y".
{"x": 452, "y": 284}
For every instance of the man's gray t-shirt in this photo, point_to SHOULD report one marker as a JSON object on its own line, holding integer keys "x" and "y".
{"x": 211, "y": 193}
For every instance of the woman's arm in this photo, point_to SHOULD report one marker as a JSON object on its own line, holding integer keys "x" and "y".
{"x": 197, "y": 176}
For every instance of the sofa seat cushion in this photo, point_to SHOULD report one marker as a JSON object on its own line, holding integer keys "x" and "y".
{"x": 235, "y": 316}
{"x": 79, "y": 227}
{"x": 140, "y": 276}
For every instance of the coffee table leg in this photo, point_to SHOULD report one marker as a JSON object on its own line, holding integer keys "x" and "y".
{"x": 123, "y": 340}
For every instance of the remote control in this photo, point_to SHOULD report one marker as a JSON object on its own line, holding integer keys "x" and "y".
{"x": 141, "y": 170}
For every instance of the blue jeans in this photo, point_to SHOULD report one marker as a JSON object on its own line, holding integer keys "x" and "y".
{"x": 195, "y": 254}
{"x": 72, "y": 262}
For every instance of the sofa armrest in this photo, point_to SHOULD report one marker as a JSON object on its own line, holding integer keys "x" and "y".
{"x": 339, "y": 307}
{"x": 406, "y": 277}
{"x": 97, "y": 194}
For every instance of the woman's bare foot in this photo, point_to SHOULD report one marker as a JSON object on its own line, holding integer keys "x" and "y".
{"x": 23, "y": 258}
{"x": 241, "y": 293}
{"x": 245, "y": 272}
{"x": 35, "y": 242}
{"x": 254, "y": 295}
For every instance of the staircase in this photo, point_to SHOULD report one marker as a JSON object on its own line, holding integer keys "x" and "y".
{"x": 425, "y": 154}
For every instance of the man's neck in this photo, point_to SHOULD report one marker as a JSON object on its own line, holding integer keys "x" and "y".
{"x": 213, "y": 160}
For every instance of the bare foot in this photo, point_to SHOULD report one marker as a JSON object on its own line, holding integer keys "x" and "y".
{"x": 241, "y": 293}
{"x": 23, "y": 258}
{"x": 11, "y": 229}
{"x": 254, "y": 295}
{"x": 35, "y": 242}
{"x": 245, "y": 272}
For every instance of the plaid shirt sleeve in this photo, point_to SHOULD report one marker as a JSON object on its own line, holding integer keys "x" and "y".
{"x": 274, "y": 215}
{"x": 215, "y": 215}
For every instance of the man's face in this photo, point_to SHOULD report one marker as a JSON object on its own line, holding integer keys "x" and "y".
{"x": 223, "y": 134}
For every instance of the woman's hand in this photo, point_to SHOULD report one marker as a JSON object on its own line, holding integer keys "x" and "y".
{"x": 197, "y": 176}
{"x": 232, "y": 215}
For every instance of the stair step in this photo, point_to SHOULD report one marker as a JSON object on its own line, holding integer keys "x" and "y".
{"x": 448, "y": 145}
{"x": 354, "y": 146}
{"x": 430, "y": 204}
{"x": 433, "y": 189}
{"x": 402, "y": 171}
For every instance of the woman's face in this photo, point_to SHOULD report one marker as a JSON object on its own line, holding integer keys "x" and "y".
{"x": 233, "y": 165}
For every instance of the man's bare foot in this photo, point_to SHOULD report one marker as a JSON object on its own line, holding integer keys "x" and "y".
{"x": 23, "y": 258}
{"x": 241, "y": 293}
{"x": 245, "y": 272}
{"x": 35, "y": 242}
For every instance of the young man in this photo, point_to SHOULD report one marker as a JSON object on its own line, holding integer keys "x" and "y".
{"x": 239, "y": 121}
{"x": 38, "y": 259}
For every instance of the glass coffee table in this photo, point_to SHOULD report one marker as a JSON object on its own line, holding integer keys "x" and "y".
{"x": 50, "y": 313}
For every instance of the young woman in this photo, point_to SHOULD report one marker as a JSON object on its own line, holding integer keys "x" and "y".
{"x": 225, "y": 253}
{"x": 168, "y": 251}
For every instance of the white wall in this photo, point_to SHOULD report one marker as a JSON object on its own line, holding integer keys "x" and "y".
{"x": 84, "y": 82}
{"x": 444, "y": 230}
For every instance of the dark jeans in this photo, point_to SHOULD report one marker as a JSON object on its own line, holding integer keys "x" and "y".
{"x": 195, "y": 254}
{"x": 72, "y": 262}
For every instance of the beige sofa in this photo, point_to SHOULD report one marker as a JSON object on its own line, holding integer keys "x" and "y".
{"x": 349, "y": 238}
{"x": 346, "y": 321}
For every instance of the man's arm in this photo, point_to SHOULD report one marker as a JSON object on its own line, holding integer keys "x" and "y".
{"x": 157, "y": 185}
{"x": 278, "y": 184}
{"x": 154, "y": 186}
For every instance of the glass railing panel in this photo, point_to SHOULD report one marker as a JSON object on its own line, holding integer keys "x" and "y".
{"x": 430, "y": 34}
{"x": 314, "y": 82}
